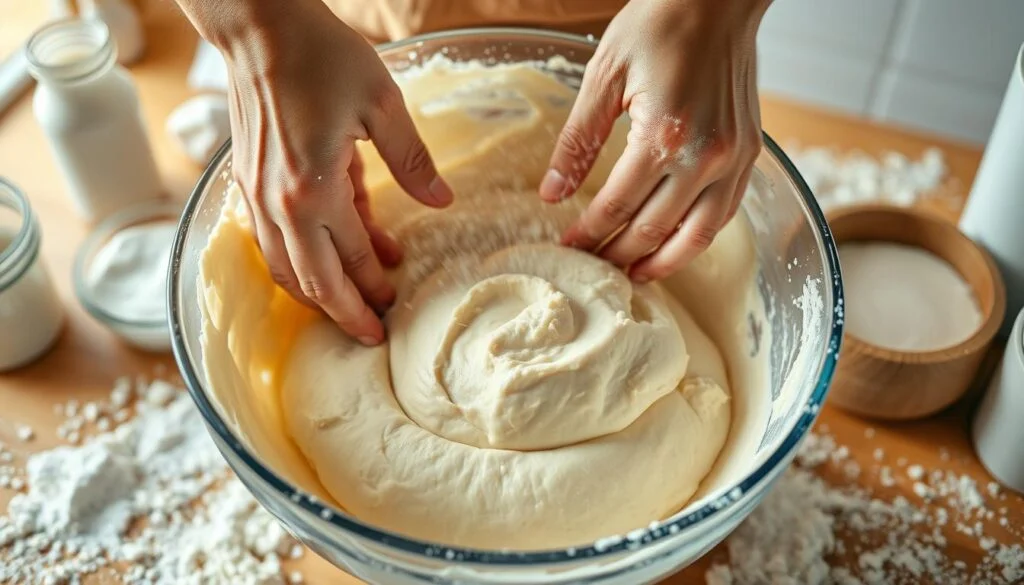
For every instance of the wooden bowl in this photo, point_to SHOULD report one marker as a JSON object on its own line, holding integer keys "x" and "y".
{"x": 890, "y": 384}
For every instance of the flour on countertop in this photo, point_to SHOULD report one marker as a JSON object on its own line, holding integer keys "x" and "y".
{"x": 805, "y": 523}
{"x": 849, "y": 179}
{"x": 154, "y": 495}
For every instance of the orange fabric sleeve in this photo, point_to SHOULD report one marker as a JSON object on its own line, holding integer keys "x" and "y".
{"x": 388, "y": 20}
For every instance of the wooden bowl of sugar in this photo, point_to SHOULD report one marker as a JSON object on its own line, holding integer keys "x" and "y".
{"x": 922, "y": 305}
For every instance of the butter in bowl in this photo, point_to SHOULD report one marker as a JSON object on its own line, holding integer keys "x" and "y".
{"x": 923, "y": 304}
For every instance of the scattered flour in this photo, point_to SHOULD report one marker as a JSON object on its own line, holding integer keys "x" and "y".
{"x": 849, "y": 179}
{"x": 805, "y": 524}
{"x": 153, "y": 495}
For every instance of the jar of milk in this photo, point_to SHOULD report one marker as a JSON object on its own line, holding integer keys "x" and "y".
{"x": 88, "y": 108}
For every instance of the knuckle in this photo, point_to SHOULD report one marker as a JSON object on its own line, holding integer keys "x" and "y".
{"x": 652, "y": 233}
{"x": 281, "y": 277}
{"x": 316, "y": 290}
{"x": 573, "y": 141}
{"x": 386, "y": 98}
{"x": 359, "y": 259}
{"x": 606, "y": 72}
{"x": 291, "y": 204}
{"x": 416, "y": 159}
{"x": 700, "y": 237}
{"x": 614, "y": 210}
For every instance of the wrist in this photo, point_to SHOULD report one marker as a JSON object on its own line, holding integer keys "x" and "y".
{"x": 239, "y": 27}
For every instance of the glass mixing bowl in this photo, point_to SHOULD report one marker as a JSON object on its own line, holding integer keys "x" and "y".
{"x": 798, "y": 282}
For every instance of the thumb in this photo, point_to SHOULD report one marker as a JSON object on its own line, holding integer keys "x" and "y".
{"x": 593, "y": 115}
{"x": 400, "y": 146}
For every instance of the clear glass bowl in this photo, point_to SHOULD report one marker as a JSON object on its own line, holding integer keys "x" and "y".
{"x": 794, "y": 247}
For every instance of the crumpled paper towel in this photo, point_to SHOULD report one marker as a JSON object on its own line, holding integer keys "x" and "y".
{"x": 200, "y": 125}
{"x": 209, "y": 72}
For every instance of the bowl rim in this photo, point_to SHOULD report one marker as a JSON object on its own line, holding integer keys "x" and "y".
{"x": 638, "y": 540}
{"x": 986, "y": 331}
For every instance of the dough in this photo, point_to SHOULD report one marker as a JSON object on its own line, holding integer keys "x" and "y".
{"x": 529, "y": 396}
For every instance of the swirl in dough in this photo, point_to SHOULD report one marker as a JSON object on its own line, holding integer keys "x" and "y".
{"x": 530, "y": 395}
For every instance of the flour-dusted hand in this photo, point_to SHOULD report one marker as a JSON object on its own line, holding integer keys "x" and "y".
{"x": 684, "y": 71}
{"x": 304, "y": 87}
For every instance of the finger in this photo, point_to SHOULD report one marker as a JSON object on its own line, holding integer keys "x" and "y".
{"x": 275, "y": 254}
{"x": 393, "y": 133}
{"x": 387, "y": 249}
{"x": 739, "y": 193}
{"x": 358, "y": 259}
{"x": 598, "y": 104}
{"x": 695, "y": 234}
{"x": 656, "y": 221}
{"x": 318, "y": 268}
{"x": 633, "y": 178}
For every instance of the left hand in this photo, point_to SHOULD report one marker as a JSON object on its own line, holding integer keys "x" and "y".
{"x": 684, "y": 71}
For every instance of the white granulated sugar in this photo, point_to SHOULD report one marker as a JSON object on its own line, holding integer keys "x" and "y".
{"x": 805, "y": 524}
{"x": 849, "y": 179}
{"x": 153, "y": 496}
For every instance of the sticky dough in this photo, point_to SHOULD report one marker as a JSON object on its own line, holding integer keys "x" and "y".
{"x": 530, "y": 396}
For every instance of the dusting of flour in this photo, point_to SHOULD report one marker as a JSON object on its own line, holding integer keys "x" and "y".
{"x": 840, "y": 179}
{"x": 153, "y": 495}
{"x": 807, "y": 527}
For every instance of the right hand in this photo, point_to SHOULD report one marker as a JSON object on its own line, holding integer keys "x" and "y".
{"x": 304, "y": 87}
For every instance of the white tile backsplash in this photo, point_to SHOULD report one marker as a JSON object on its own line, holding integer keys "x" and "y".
{"x": 963, "y": 111}
{"x": 857, "y": 27}
{"x": 825, "y": 77}
{"x": 935, "y": 65}
{"x": 972, "y": 42}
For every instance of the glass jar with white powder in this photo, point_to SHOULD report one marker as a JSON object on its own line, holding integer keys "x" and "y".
{"x": 31, "y": 315}
{"x": 120, "y": 273}
{"x": 88, "y": 107}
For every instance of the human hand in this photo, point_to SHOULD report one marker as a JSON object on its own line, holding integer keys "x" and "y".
{"x": 684, "y": 71}
{"x": 303, "y": 90}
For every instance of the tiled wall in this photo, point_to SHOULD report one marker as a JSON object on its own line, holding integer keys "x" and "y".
{"x": 936, "y": 65}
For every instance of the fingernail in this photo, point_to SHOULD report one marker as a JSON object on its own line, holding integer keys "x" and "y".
{"x": 440, "y": 192}
{"x": 553, "y": 186}
{"x": 369, "y": 341}
{"x": 640, "y": 278}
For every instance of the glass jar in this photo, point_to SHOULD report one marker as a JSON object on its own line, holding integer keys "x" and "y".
{"x": 88, "y": 107}
{"x": 31, "y": 314}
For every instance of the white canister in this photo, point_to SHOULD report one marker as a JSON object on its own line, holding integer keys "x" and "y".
{"x": 31, "y": 315}
{"x": 994, "y": 215}
{"x": 88, "y": 107}
{"x": 125, "y": 25}
{"x": 997, "y": 431}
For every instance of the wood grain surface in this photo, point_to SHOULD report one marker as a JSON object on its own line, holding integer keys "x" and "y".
{"x": 87, "y": 358}
{"x": 901, "y": 385}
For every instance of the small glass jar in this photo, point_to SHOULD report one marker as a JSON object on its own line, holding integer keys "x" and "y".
{"x": 146, "y": 329}
{"x": 88, "y": 107}
{"x": 31, "y": 315}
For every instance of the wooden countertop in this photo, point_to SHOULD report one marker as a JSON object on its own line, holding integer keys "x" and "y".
{"x": 88, "y": 358}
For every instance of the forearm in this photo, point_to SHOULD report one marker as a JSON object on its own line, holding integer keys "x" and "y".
{"x": 228, "y": 23}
